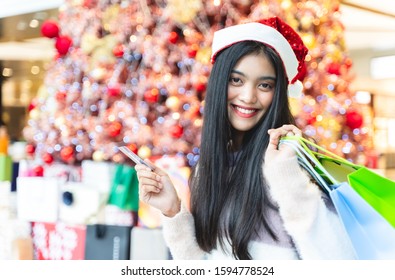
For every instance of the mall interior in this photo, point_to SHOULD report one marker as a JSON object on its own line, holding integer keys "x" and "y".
{"x": 42, "y": 85}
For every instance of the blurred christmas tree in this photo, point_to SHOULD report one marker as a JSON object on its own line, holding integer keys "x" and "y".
{"x": 134, "y": 72}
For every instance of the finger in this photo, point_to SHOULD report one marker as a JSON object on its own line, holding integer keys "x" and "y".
{"x": 146, "y": 189}
{"x": 274, "y": 139}
{"x": 148, "y": 174}
{"x": 290, "y": 128}
{"x": 139, "y": 167}
{"x": 148, "y": 181}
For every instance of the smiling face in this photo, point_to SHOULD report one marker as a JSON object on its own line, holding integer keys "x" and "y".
{"x": 250, "y": 91}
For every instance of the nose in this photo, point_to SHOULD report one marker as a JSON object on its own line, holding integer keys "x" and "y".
{"x": 248, "y": 95}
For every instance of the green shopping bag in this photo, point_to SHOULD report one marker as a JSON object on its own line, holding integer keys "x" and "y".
{"x": 5, "y": 168}
{"x": 375, "y": 189}
{"x": 125, "y": 188}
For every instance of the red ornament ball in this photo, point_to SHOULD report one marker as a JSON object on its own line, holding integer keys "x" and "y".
{"x": 151, "y": 96}
{"x": 333, "y": 68}
{"x": 173, "y": 37}
{"x": 176, "y": 131}
{"x": 133, "y": 148}
{"x": 48, "y": 158}
{"x": 192, "y": 50}
{"x": 200, "y": 87}
{"x": 50, "y": 29}
{"x": 63, "y": 44}
{"x": 114, "y": 90}
{"x": 354, "y": 119}
{"x": 30, "y": 149}
{"x": 67, "y": 153}
{"x": 118, "y": 50}
{"x": 114, "y": 129}
{"x": 38, "y": 171}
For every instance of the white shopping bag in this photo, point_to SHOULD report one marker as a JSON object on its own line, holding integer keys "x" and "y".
{"x": 80, "y": 204}
{"x": 97, "y": 174}
{"x": 148, "y": 244}
{"x": 37, "y": 199}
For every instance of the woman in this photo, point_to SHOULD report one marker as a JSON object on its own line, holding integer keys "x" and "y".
{"x": 249, "y": 197}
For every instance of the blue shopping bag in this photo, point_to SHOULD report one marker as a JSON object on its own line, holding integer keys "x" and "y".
{"x": 373, "y": 238}
{"x": 371, "y": 235}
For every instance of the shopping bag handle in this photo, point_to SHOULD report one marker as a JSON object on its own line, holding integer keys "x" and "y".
{"x": 307, "y": 151}
{"x": 303, "y": 154}
{"x": 326, "y": 153}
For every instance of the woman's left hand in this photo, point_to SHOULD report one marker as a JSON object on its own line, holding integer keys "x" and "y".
{"x": 276, "y": 152}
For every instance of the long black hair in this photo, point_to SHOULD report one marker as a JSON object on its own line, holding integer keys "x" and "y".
{"x": 229, "y": 198}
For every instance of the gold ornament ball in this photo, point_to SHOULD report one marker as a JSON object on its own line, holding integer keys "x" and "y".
{"x": 98, "y": 156}
{"x": 144, "y": 152}
{"x": 173, "y": 103}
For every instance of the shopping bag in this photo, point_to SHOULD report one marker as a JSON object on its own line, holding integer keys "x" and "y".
{"x": 148, "y": 244}
{"x": 124, "y": 191}
{"x": 80, "y": 204}
{"x": 5, "y": 168}
{"x": 375, "y": 189}
{"x": 98, "y": 174}
{"x": 107, "y": 242}
{"x": 58, "y": 241}
{"x": 38, "y": 199}
{"x": 371, "y": 235}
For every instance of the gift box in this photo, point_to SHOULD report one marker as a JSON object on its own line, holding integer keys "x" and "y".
{"x": 58, "y": 241}
{"x": 37, "y": 199}
{"x": 80, "y": 204}
{"x": 97, "y": 174}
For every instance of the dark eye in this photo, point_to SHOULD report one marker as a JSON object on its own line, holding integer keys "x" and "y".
{"x": 266, "y": 86}
{"x": 235, "y": 81}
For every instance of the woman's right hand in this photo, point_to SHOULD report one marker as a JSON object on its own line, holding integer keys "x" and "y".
{"x": 157, "y": 190}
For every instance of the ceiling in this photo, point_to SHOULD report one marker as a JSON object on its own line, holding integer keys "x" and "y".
{"x": 369, "y": 25}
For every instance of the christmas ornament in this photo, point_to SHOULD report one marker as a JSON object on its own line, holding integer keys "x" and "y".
{"x": 176, "y": 131}
{"x": 62, "y": 45}
{"x": 50, "y": 29}
{"x": 30, "y": 149}
{"x": 67, "y": 153}
{"x": 118, "y": 50}
{"x": 38, "y": 171}
{"x": 173, "y": 37}
{"x": 144, "y": 152}
{"x": 354, "y": 119}
{"x": 48, "y": 158}
{"x": 114, "y": 129}
{"x": 152, "y": 95}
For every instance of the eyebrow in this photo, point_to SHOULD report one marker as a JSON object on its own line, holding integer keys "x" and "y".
{"x": 260, "y": 78}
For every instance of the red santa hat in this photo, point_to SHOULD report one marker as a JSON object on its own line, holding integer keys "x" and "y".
{"x": 278, "y": 35}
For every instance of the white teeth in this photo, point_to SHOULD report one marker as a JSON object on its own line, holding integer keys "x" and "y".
{"x": 244, "y": 111}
